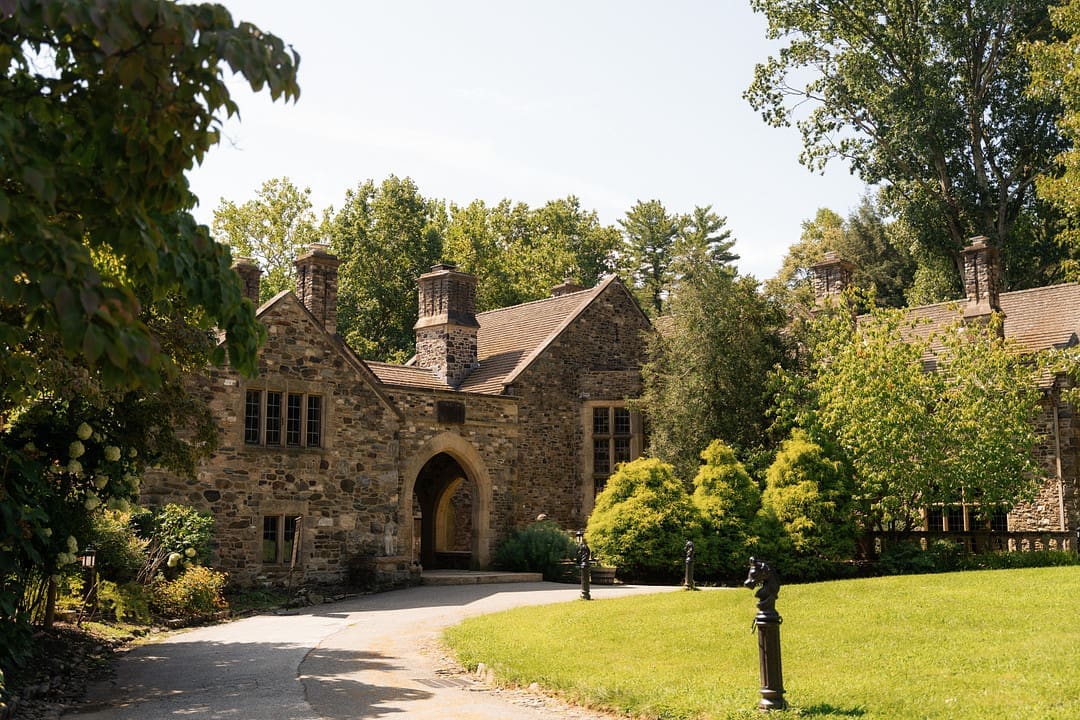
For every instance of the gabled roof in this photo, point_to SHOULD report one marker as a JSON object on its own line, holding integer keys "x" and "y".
{"x": 1036, "y": 320}
{"x": 508, "y": 341}
{"x": 335, "y": 341}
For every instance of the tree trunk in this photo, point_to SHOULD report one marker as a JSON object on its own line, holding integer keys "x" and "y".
{"x": 50, "y": 602}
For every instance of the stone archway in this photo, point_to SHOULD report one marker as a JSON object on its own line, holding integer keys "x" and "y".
{"x": 447, "y": 485}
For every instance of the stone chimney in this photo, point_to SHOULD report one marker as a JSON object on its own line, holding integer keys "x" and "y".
{"x": 565, "y": 288}
{"x": 446, "y": 328}
{"x": 250, "y": 274}
{"x": 316, "y": 284}
{"x": 982, "y": 271}
{"x": 831, "y": 276}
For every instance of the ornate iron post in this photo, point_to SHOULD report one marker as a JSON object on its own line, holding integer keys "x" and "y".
{"x": 767, "y": 624}
{"x": 688, "y": 580}
{"x": 585, "y": 563}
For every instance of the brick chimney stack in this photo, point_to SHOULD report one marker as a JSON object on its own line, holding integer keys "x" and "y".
{"x": 565, "y": 288}
{"x": 447, "y": 326}
{"x": 250, "y": 275}
{"x": 316, "y": 284}
{"x": 831, "y": 276}
{"x": 982, "y": 278}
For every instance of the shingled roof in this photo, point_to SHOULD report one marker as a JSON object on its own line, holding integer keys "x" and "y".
{"x": 508, "y": 340}
{"x": 1038, "y": 319}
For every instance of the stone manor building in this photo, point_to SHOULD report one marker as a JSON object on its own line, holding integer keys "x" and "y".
{"x": 327, "y": 460}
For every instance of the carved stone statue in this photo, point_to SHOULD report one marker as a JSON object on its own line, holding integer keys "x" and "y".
{"x": 689, "y": 551}
{"x": 763, "y": 575}
{"x": 389, "y": 539}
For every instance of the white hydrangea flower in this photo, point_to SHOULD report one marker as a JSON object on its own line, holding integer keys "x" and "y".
{"x": 190, "y": 552}
{"x": 84, "y": 431}
{"x": 100, "y": 481}
{"x": 72, "y": 544}
{"x": 76, "y": 450}
{"x": 91, "y": 502}
{"x": 75, "y": 467}
{"x": 133, "y": 452}
{"x": 119, "y": 504}
{"x": 174, "y": 559}
{"x": 112, "y": 453}
{"x": 65, "y": 559}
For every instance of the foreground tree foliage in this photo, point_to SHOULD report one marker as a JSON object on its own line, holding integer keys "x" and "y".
{"x": 927, "y": 99}
{"x": 921, "y": 419}
{"x": 105, "y": 106}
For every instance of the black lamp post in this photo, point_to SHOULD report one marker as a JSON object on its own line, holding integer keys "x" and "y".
{"x": 88, "y": 560}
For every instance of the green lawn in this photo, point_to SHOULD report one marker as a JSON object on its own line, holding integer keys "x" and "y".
{"x": 993, "y": 644}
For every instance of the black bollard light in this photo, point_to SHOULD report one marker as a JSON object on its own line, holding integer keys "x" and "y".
{"x": 585, "y": 563}
{"x": 767, "y": 624}
{"x": 688, "y": 580}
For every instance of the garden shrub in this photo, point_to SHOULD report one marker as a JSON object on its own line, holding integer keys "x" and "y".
{"x": 129, "y": 601}
{"x": 178, "y": 537}
{"x": 809, "y": 495}
{"x": 642, "y": 521}
{"x": 120, "y": 553}
{"x": 541, "y": 547}
{"x": 195, "y": 594}
{"x": 728, "y": 500}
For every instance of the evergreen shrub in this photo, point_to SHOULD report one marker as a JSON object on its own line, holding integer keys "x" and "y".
{"x": 728, "y": 499}
{"x": 196, "y": 594}
{"x": 541, "y": 547}
{"x": 642, "y": 521}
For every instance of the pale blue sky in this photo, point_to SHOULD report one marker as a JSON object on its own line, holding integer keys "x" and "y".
{"x": 612, "y": 101}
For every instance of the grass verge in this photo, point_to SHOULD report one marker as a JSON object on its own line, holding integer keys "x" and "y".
{"x": 993, "y": 644}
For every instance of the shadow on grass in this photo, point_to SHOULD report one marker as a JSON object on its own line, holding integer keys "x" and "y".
{"x": 826, "y": 710}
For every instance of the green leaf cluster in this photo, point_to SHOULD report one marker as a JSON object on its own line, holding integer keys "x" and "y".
{"x": 923, "y": 418}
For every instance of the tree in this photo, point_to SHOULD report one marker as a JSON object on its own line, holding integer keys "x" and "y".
{"x": 703, "y": 239}
{"x": 649, "y": 235}
{"x": 707, "y": 373}
{"x": 386, "y": 236}
{"x": 590, "y": 245}
{"x": 1055, "y": 77}
{"x": 519, "y": 253}
{"x": 272, "y": 229}
{"x": 927, "y": 99}
{"x": 105, "y": 107}
{"x": 963, "y": 432}
{"x": 873, "y": 245}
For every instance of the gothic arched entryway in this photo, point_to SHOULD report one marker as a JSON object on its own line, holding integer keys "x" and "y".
{"x": 443, "y": 498}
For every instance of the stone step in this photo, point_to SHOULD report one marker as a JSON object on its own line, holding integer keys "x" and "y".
{"x": 476, "y": 577}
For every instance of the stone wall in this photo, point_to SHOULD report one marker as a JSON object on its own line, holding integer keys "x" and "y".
{"x": 485, "y": 444}
{"x": 597, "y": 357}
{"x": 346, "y": 490}
{"x": 1058, "y": 430}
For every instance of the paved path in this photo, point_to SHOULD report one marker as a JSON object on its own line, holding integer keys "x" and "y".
{"x": 371, "y": 657}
